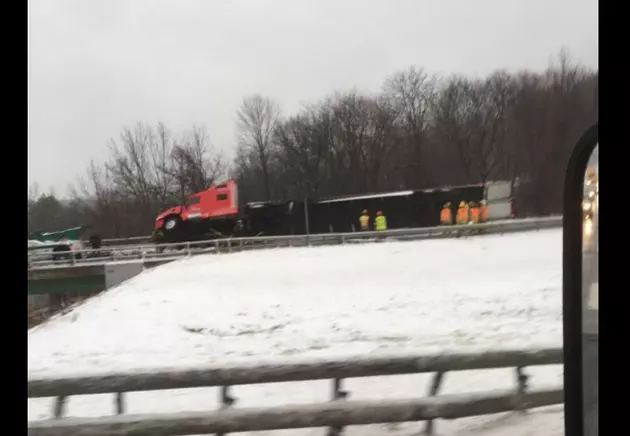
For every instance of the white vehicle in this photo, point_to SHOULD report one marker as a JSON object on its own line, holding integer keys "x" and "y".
{"x": 53, "y": 251}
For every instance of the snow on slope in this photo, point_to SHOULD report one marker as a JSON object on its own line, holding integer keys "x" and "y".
{"x": 425, "y": 296}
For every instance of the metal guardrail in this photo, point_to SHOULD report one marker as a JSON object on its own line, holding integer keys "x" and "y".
{"x": 184, "y": 249}
{"x": 124, "y": 241}
{"x": 336, "y": 414}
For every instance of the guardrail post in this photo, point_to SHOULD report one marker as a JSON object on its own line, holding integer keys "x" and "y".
{"x": 436, "y": 384}
{"x": 217, "y": 246}
{"x": 229, "y": 244}
{"x": 119, "y": 401}
{"x": 226, "y": 401}
{"x": 59, "y": 407}
{"x": 188, "y": 249}
{"x": 521, "y": 389}
{"x": 337, "y": 394}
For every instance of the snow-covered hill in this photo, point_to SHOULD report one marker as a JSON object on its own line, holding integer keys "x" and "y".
{"x": 425, "y": 296}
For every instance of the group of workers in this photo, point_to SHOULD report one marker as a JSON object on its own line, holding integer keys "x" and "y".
{"x": 380, "y": 222}
{"x": 467, "y": 212}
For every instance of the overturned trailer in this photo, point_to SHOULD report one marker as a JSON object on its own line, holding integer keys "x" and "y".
{"x": 404, "y": 209}
{"x": 412, "y": 208}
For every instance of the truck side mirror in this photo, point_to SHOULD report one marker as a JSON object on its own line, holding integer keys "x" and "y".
{"x": 580, "y": 288}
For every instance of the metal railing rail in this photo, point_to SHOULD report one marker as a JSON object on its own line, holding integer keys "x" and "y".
{"x": 131, "y": 239}
{"x": 336, "y": 414}
{"x": 184, "y": 249}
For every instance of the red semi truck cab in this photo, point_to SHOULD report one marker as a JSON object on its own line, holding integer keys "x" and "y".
{"x": 217, "y": 202}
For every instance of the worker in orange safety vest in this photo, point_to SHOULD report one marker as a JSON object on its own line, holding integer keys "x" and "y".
{"x": 475, "y": 212}
{"x": 446, "y": 216}
{"x": 462, "y": 213}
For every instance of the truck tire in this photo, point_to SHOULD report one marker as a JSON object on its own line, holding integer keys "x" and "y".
{"x": 173, "y": 227}
{"x": 171, "y": 222}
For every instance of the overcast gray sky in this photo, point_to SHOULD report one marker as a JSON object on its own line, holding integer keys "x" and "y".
{"x": 98, "y": 66}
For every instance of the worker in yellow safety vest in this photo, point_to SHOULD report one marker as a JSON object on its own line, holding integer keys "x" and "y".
{"x": 462, "y": 213}
{"x": 364, "y": 220}
{"x": 380, "y": 222}
{"x": 474, "y": 213}
{"x": 446, "y": 216}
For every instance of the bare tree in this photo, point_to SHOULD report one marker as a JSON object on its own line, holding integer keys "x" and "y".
{"x": 257, "y": 119}
{"x": 470, "y": 116}
{"x": 195, "y": 165}
{"x": 160, "y": 149}
{"x": 132, "y": 163}
{"x": 97, "y": 197}
{"x": 246, "y": 171}
{"x": 350, "y": 130}
{"x": 302, "y": 149}
{"x": 381, "y": 144}
{"x": 412, "y": 92}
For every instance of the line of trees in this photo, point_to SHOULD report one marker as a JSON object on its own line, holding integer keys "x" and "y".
{"x": 149, "y": 168}
{"x": 419, "y": 131}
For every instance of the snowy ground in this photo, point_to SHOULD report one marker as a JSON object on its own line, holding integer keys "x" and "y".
{"x": 392, "y": 297}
